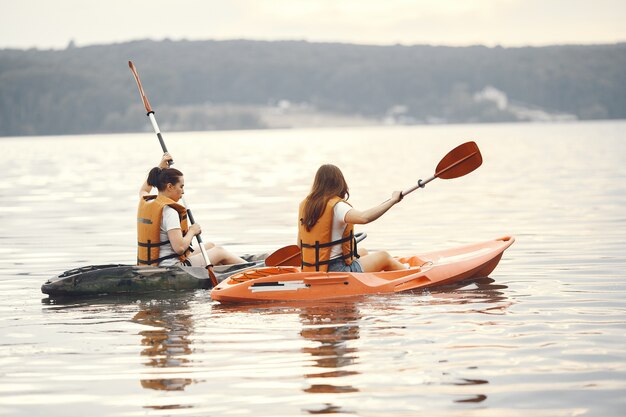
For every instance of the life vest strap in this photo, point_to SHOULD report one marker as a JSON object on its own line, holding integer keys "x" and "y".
{"x": 326, "y": 245}
{"x": 317, "y": 246}
{"x": 186, "y": 262}
{"x": 352, "y": 255}
{"x": 151, "y": 245}
{"x": 158, "y": 260}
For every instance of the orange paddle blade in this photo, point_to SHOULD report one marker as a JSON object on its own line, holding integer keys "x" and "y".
{"x": 146, "y": 103}
{"x": 286, "y": 256}
{"x": 212, "y": 275}
{"x": 459, "y": 161}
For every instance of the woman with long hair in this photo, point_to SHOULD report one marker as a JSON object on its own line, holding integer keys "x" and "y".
{"x": 326, "y": 227}
{"x": 164, "y": 235}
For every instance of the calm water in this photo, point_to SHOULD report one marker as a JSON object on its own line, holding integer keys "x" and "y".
{"x": 545, "y": 335}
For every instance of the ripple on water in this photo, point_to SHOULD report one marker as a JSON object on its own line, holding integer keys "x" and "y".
{"x": 543, "y": 336}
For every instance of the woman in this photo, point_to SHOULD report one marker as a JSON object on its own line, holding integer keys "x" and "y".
{"x": 164, "y": 236}
{"x": 326, "y": 228}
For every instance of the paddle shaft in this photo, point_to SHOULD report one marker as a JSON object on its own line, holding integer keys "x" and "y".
{"x": 420, "y": 184}
{"x": 171, "y": 162}
{"x": 155, "y": 126}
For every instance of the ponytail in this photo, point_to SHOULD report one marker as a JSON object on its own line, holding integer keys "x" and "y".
{"x": 159, "y": 178}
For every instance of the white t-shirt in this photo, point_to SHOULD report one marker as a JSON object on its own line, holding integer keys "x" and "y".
{"x": 339, "y": 225}
{"x": 169, "y": 221}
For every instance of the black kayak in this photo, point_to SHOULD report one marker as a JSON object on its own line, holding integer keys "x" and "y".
{"x": 133, "y": 279}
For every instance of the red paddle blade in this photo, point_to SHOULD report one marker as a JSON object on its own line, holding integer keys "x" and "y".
{"x": 459, "y": 161}
{"x": 286, "y": 256}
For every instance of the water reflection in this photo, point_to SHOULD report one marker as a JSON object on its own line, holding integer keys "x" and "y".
{"x": 481, "y": 296}
{"x": 168, "y": 344}
{"x": 477, "y": 399}
{"x": 473, "y": 293}
{"x": 330, "y": 329}
{"x": 334, "y": 333}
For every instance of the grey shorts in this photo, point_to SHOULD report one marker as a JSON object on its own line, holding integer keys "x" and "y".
{"x": 338, "y": 265}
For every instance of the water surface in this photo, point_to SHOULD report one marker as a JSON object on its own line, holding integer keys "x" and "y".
{"x": 544, "y": 335}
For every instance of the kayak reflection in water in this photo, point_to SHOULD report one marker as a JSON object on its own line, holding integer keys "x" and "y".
{"x": 164, "y": 235}
{"x": 326, "y": 228}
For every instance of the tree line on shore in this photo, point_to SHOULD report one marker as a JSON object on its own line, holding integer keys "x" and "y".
{"x": 203, "y": 85}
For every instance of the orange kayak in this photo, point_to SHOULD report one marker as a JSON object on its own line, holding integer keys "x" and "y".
{"x": 426, "y": 270}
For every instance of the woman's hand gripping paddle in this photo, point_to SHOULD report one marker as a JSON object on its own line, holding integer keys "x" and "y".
{"x": 150, "y": 114}
{"x": 458, "y": 162}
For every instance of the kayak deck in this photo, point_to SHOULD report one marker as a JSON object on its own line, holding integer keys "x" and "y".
{"x": 133, "y": 279}
{"x": 426, "y": 270}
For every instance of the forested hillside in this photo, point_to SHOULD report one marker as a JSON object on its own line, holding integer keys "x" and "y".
{"x": 231, "y": 84}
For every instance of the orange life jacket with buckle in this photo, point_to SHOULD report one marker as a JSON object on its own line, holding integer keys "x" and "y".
{"x": 149, "y": 217}
{"x": 316, "y": 244}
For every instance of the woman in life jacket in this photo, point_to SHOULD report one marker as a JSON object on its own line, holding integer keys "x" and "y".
{"x": 326, "y": 228}
{"x": 164, "y": 236}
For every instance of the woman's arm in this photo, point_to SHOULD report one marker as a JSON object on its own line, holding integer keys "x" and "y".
{"x": 179, "y": 242}
{"x": 146, "y": 189}
{"x": 354, "y": 216}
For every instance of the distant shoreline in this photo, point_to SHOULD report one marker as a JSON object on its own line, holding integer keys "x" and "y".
{"x": 147, "y": 131}
{"x": 232, "y": 85}
{"x": 72, "y": 44}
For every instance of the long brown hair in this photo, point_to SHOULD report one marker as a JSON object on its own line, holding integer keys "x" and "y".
{"x": 328, "y": 183}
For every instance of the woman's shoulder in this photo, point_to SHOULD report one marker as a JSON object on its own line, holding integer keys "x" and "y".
{"x": 169, "y": 212}
{"x": 343, "y": 204}
{"x": 341, "y": 208}
{"x": 170, "y": 218}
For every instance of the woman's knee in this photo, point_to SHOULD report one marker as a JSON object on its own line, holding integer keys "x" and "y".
{"x": 217, "y": 251}
{"x": 387, "y": 261}
{"x": 373, "y": 262}
{"x": 383, "y": 254}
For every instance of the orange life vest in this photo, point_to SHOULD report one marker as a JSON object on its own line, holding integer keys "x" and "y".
{"x": 149, "y": 217}
{"x": 316, "y": 244}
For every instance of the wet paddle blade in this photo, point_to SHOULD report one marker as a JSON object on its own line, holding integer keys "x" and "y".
{"x": 212, "y": 275}
{"x": 286, "y": 256}
{"x": 459, "y": 161}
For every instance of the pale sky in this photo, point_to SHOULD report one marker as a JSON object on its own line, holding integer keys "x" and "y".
{"x": 48, "y": 24}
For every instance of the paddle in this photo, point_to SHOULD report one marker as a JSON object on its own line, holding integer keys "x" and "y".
{"x": 458, "y": 162}
{"x": 285, "y": 256}
{"x": 150, "y": 114}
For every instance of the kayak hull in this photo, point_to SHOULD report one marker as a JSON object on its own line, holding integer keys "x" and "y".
{"x": 426, "y": 270}
{"x": 133, "y": 279}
